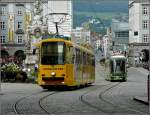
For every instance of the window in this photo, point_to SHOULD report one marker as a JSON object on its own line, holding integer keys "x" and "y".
{"x": 3, "y": 25}
{"x": 145, "y": 24}
{"x": 19, "y": 11}
{"x": 3, "y": 10}
{"x": 122, "y": 34}
{"x": 3, "y": 40}
{"x": 20, "y": 39}
{"x": 136, "y": 33}
{"x": 145, "y": 10}
{"x": 145, "y": 38}
{"x": 19, "y": 25}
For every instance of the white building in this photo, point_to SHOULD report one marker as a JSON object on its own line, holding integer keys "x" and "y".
{"x": 139, "y": 28}
{"x": 106, "y": 45}
{"x": 81, "y": 35}
{"x": 98, "y": 44}
{"x": 139, "y": 21}
{"x": 57, "y": 7}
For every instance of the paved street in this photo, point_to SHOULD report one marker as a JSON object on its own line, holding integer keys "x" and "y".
{"x": 103, "y": 97}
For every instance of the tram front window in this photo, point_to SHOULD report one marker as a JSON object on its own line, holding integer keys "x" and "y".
{"x": 118, "y": 66}
{"x": 52, "y": 53}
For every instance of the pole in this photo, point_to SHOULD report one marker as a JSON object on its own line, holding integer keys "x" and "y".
{"x": 56, "y": 24}
{"x": 148, "y": 87}
{"x": 149, "y": 57}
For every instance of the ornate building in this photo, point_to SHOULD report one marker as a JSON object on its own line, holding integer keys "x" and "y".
{"x": 15, "y": 17}
{"x": 19, "y": 19}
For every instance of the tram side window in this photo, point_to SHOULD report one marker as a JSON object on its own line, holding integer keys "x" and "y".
{"x": 111, "y": 66}
{"x": 93, "y": 61}
{"x": 81, "y": 57}
{"x": 69, "y": 55}
{"x": 77, "y": 56}
{"x": 84, "y": 58}
{"x": 79, "y": 53}
{"x": 88, "y": 59}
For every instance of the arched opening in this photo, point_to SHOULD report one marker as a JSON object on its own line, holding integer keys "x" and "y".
{"x": 145, "y": 55}
{"x": 145, "y": 58}
{"x": 19, "y": 56}
{"x": 4, "y": 56}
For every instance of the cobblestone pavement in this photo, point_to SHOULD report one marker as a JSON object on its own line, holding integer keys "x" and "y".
{"x": 101, "y": 98}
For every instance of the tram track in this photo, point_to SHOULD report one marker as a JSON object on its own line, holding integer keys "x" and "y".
{"x": 81, "y": 98}
{"x": 101, "y": 97}
{"x": 15, "y": 106}
{"x": 43, "y": 106}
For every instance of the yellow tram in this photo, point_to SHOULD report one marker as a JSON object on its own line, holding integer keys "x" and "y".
{"x": 63, "y": 63}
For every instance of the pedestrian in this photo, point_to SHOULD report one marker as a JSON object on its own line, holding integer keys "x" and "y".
{"x": 135, "y": 60}
{"x": 36, "y": 67}
{"x": 140, "y": 59}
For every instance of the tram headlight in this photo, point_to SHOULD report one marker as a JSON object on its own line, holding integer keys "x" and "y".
{"x": 24, "y": 69}
{"x": 29, "y": 69}
{"x": 53, "y": 73}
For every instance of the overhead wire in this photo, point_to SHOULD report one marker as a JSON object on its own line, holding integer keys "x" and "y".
{"x": 61, "y": 18}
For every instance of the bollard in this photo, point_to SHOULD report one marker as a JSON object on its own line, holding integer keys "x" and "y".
{"x": 148, "y": 87}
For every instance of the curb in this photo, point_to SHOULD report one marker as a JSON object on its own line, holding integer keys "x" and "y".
{"x": 142, "y": 99}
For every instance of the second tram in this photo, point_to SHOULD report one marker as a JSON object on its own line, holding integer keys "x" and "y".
{"x": 117, "y": 68}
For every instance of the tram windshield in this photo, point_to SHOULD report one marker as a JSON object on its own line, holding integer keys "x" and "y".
{"x": 117, "y": 66}
{"x": 52, "y": 53}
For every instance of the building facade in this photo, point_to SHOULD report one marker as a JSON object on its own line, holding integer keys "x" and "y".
{"x": 81, "y": 35}
{"x": 15, "y": 16}
{"x": 97, "y": 44}
{"x": 139, "y": 21}
{"x": 120, "y": 34}
{"x": 139, "y": 34}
